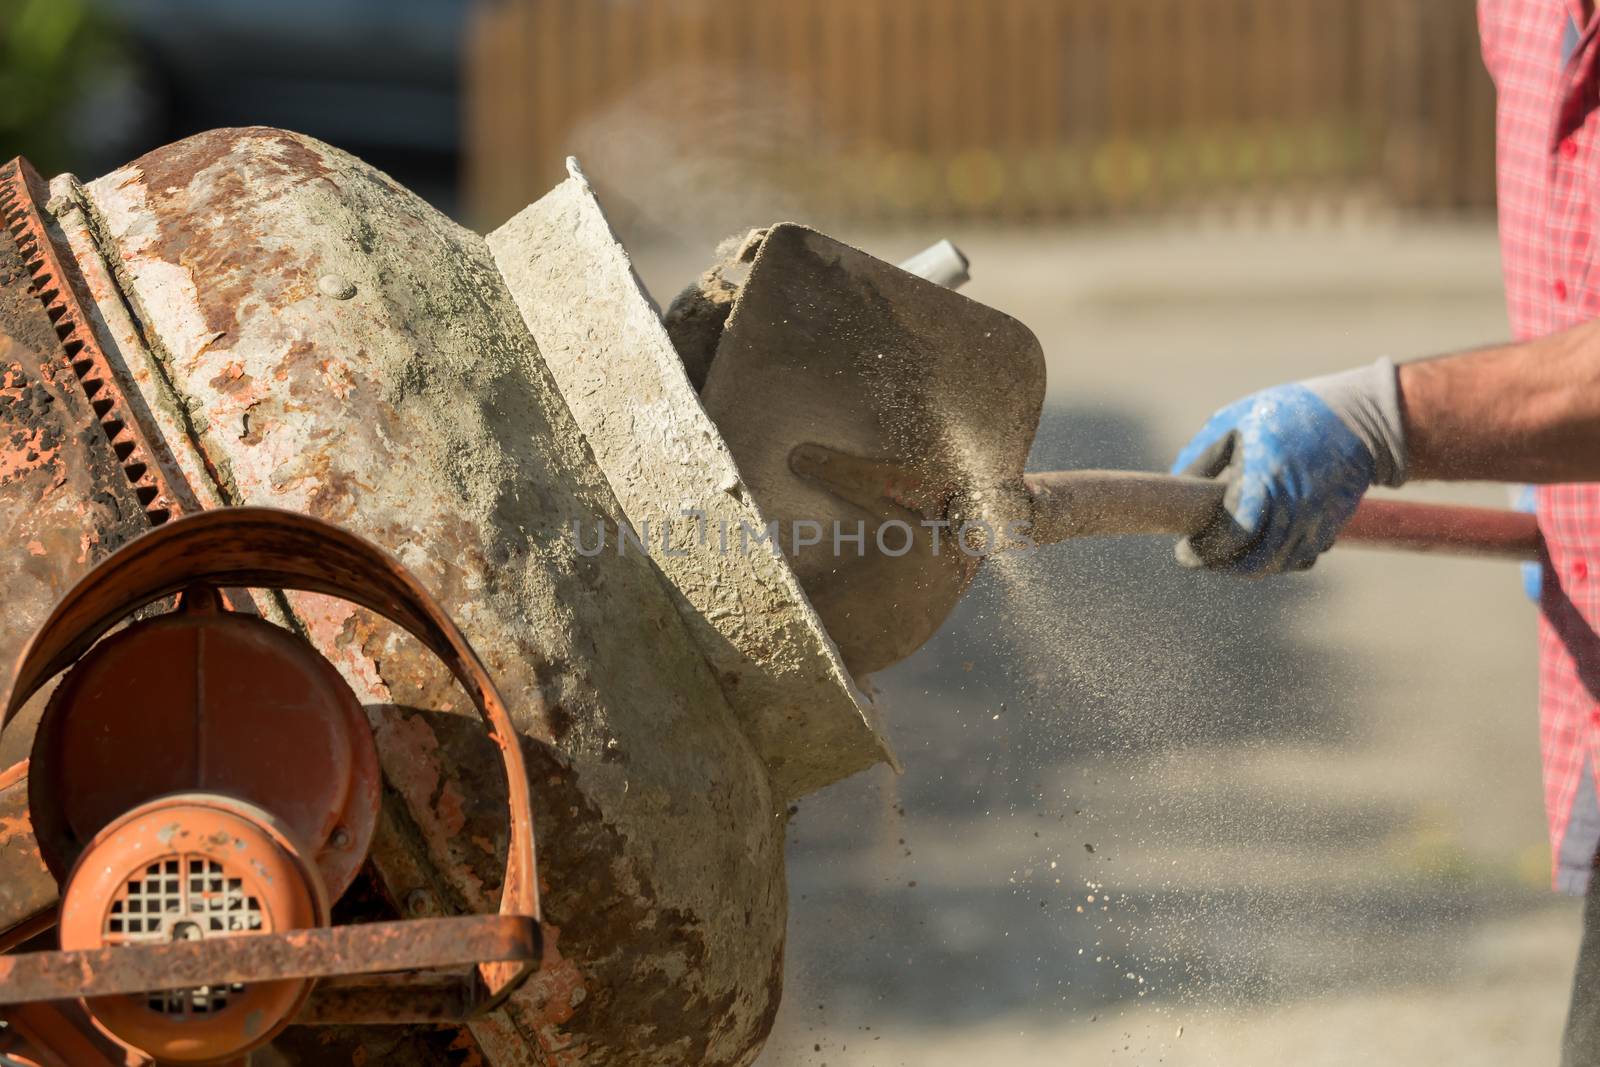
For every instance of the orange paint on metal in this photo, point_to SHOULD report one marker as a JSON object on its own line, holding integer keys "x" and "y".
{"x": 206, "y": 700}
{"x": 13, "y": 825}
{"x": 251, "y": 547}
{"x": 61, "y": 1035}
{"x": 26, "y": 448}
{"x": 13, "y": 774}
{"x": 188, "y": 868}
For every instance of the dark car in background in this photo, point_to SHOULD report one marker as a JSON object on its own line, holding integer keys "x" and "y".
{"x": 379, "y": 78}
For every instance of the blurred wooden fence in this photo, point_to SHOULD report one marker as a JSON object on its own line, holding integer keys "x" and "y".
{"x": 1005, "y": 109}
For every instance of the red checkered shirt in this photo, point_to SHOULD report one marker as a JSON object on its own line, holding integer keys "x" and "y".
{"x": 1545, "y": 63}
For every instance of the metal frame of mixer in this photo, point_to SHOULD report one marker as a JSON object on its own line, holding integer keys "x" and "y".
{"x": 376, "y": 964}
{"x": 436, "y": 970}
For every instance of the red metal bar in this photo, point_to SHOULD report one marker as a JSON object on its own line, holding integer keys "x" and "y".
{"x": 1447, "y": 528}
{"x": 62, "y": 1036}
{"x": 372, "y": 948}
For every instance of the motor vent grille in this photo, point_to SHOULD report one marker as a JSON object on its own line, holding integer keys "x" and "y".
{"x": 184, "y": 898}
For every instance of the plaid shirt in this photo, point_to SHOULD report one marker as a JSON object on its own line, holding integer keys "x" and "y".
{"x": 1545, "y": 63}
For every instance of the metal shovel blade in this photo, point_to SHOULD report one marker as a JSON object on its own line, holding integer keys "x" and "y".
{"x": 930, "y": 391}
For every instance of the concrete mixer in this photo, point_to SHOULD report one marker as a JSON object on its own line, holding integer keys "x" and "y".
{"x": 250, "y": 319}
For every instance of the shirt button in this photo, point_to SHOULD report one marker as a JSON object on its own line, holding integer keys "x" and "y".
{"x": 1560, "y": 289}
{"x": 1569, "y": 148}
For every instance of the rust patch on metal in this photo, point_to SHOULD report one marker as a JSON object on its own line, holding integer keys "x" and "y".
{"x": 230, "y": 272}
{"x": 233, "y": 379}
{"x": 57, "y": 287}
{"x": 66, "y": 500}
{"x": 27, "y": 889}
{"x": 165, "y": 170}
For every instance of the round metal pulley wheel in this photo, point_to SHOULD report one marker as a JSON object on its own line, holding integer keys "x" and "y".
{"x": 203, "y": 700}
{"x": 193, "y": 867}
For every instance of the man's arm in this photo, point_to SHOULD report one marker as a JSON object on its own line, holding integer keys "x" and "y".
{"x": 1526, "y": 412}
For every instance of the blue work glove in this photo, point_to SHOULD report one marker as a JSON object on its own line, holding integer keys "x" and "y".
{"x": 1297, "y": 460}
{"x": 1526, "y": 498}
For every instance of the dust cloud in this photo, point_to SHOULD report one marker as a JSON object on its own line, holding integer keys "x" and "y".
{"x": 1062, "y": 844}
{"x": 697, "y": 153}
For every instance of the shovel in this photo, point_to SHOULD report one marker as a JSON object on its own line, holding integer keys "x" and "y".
{"x": 882, "y": 422}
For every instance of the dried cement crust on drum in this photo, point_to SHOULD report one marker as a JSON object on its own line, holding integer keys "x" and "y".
{"x": 341, "y": 349}
{"x": 665, "y": 460}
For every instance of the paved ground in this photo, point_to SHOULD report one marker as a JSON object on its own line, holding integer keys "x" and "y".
{"x": 1153, "y": 817}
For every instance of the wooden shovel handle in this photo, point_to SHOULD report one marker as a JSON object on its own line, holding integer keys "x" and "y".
{"x": 1069, "y": 504}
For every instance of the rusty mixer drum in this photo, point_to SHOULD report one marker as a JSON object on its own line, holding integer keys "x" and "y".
{"x": 250, "y": 317}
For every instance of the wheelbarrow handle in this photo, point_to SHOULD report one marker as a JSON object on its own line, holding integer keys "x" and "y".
{"x": 1071, "y": 504}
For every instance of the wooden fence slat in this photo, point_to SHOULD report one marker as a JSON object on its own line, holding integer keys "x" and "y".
{"x": 1004, "y": 109}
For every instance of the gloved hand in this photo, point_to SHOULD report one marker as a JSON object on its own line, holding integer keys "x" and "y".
{"x": 1297, "y": 460}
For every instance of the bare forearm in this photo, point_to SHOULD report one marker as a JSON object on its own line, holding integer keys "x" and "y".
{"x": 1526, "y": 412}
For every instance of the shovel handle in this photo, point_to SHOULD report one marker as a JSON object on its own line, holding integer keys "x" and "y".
{"x": 1070, "y": 504}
